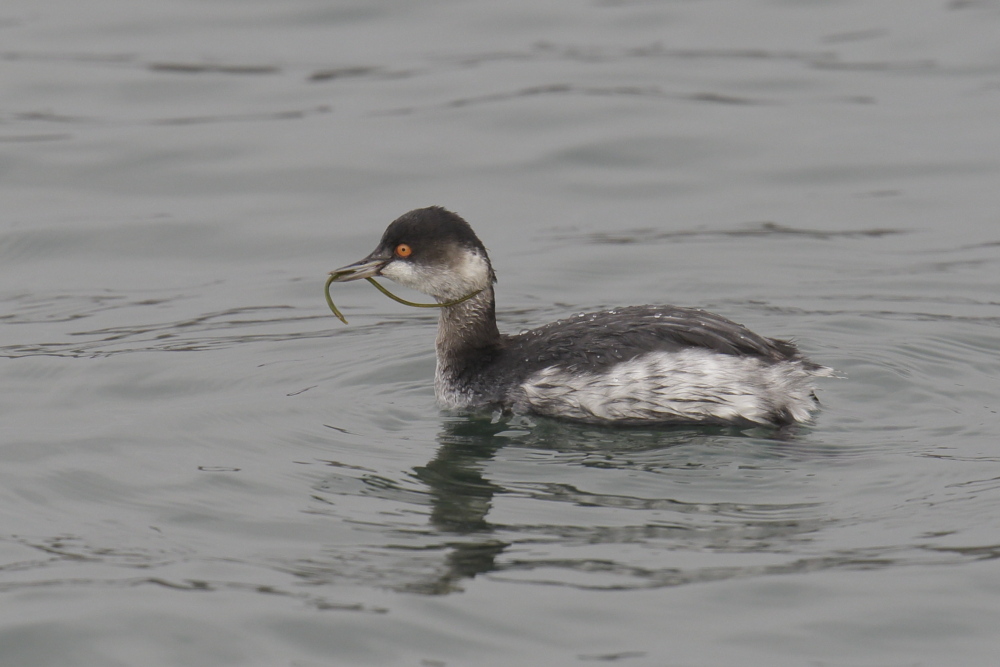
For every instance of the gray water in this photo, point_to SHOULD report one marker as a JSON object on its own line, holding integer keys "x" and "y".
{"x": 201, "y": 466}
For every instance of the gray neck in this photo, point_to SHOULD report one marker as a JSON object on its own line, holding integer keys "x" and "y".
{"x": 467, "y": 329}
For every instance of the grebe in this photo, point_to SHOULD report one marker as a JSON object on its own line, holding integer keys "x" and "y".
{"x": 632, "y": 366}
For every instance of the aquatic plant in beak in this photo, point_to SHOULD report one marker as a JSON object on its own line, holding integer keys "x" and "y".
{"x": 334, "y": 275}
{"x": 405, "y": 257}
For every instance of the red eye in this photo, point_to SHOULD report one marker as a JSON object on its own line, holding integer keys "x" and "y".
{"x": 403, "y": 250}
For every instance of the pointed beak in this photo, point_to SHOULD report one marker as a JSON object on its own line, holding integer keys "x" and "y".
{"x": 368, "y": 267}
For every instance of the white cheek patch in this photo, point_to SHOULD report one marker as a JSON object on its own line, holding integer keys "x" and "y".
{"x": 472, "y": 272}
{"x": 403, "y": 273}
{"x": 468, "y": 273}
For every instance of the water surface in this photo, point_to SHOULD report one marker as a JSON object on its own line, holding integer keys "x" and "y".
{"x": 201, "y": 466}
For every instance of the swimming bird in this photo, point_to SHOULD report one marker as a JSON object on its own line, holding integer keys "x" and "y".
{"x": 635, "y": 365}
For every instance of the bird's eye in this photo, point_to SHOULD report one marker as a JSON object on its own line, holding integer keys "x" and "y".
{"x": 403, "y": 250}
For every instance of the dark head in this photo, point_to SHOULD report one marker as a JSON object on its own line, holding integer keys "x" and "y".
{"x": 431, "y": 250}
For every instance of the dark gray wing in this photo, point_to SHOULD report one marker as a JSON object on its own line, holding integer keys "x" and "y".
{"x": 593, "y": 341}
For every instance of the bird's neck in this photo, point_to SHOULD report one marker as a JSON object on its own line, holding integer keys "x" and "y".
{"x": 468, "y": 330}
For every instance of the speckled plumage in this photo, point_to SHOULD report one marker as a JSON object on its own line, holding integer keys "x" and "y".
{"x": 633, "y": 365}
